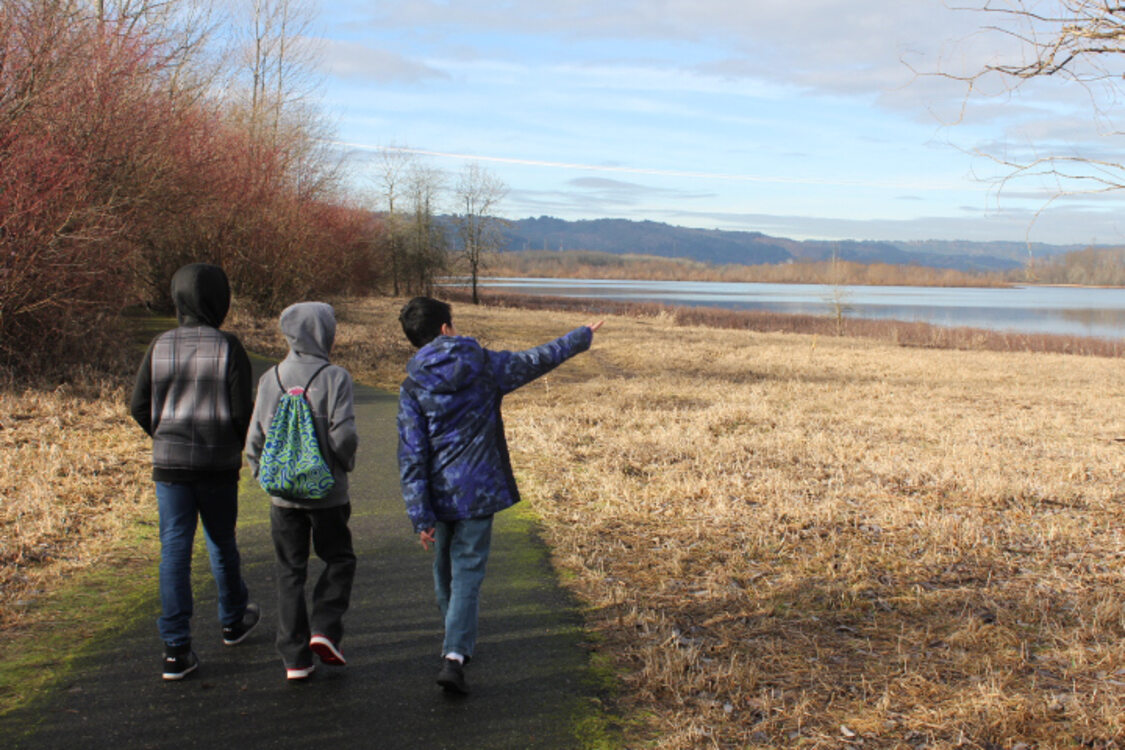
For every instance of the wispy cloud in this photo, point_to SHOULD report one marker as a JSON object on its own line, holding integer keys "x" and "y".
{"x": 723, "y": 176}
{"x": 361, "y": 61}
{"x": 1016, "y": 225}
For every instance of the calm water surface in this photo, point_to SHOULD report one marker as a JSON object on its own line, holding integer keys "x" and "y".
{"x": 1031, "y": 309}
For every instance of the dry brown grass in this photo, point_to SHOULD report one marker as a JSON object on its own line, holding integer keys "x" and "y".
{"x": 72, "y": 483}
{"x": 783, "y": 540}
{"x": 791, "y": 540}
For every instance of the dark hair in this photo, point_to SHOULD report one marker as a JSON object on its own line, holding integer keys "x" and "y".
{"x": 422, "y": 319}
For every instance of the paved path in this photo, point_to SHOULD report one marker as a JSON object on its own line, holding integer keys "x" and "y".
{"x": 528, "y": 681}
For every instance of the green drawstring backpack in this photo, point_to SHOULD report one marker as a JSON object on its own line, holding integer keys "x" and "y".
{"x": 291, "y": 465}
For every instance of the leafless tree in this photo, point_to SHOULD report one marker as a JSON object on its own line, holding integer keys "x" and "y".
{"x": 186, "y": 32}
{"x": 1077, "y": 41}
{"x": 477, "y": 193}
{"x": 279, "y": 63}
{"x": 393, "y": 166}
{"x": 837, "y": 295}
{"x": 426, "y": 247}
{"x": 1032, "y": 43}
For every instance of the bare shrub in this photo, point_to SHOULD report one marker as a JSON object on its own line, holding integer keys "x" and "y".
{"x": 59, "y": 273}
{"x": 118, "y": 169}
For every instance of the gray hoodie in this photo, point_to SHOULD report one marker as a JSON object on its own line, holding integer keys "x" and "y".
{"x": 310, "y": 329}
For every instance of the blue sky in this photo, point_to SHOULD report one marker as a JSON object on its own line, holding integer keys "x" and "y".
{"x": 799, "y": 119}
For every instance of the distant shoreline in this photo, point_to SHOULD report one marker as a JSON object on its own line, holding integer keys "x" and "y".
{"x": 1069, "y": 286}
{"x": 466, "y": 281}
{"x": 1095, "y": 269}
{"x": 579, "y": 264}
{"x": 903, "y": 333}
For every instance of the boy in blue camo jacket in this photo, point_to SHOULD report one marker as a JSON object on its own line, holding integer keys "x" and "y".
{"x": 453, "y": 456}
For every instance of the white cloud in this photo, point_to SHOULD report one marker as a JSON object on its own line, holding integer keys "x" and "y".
{"x": 354, "y": 60}
{"x": 1055, "y": 228}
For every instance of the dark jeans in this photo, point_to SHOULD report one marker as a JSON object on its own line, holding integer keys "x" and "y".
{"x": 181, "y": 506}
{"x": 292, "y": 529}
{"x": 460, "y": 559}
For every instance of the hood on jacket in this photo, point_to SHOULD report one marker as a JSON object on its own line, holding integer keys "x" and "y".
{"x": 310, "y": 328}
{"x": 201, "y": 294}
{"x": 447, "y": 364}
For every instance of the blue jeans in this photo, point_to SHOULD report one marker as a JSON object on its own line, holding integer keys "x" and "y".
{"x": 181, "y": 506}
{"x": 460, "y": 558}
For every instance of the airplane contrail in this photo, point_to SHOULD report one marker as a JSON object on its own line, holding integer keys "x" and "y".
{"x": 656, "y": 172}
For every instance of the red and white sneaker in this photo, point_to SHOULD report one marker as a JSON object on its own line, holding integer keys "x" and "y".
{"x": 323, "y": 647}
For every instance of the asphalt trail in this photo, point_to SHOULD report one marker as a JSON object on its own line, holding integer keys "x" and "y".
{"x": 529, "y": 677}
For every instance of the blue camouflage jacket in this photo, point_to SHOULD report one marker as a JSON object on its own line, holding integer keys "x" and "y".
{"x": 452, "y": 454}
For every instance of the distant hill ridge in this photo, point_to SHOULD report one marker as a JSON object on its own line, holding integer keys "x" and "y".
{"x": 620, "y": 236}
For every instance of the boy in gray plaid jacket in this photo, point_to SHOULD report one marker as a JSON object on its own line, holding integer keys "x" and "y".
{"x": 192, "y": 396}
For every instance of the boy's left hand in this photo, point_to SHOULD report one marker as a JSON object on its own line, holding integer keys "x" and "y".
{"x": 427, "y": 538}
{"x": 595, "y": 326}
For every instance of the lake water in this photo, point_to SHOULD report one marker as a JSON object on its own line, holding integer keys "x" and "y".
{"x": 1028, "y": 309}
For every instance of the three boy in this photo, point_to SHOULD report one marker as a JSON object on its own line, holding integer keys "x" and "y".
{"x": 192, "y": 395}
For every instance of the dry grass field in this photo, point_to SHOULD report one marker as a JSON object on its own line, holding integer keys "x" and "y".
{"x": 788, "y": 541}
{"x": 806, "y": 541}
{"x": 73, "y": 482}
{"x": 782, "y": 540}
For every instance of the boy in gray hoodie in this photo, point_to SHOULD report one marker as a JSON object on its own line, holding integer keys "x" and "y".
{"x": 310, "y": 329}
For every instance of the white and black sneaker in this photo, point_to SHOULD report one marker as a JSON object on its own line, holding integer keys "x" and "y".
{"x": 235, "y": 633}
{"x": 179, "y": 663}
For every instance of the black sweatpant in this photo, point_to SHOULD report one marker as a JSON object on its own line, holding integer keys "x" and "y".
{"x": 292, "y": 529}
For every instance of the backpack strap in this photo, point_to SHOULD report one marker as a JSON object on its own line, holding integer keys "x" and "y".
{"x": 277, "y": 374}
{"x": 318, "y": 371}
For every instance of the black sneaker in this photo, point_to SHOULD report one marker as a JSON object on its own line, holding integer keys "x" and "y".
{"x": 235, "y": 633}
{"x": 452, "y": 677}
{"x": 179, "y": 663}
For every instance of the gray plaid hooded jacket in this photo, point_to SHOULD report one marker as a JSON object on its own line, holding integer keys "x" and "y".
{"x": 193, "y": 389}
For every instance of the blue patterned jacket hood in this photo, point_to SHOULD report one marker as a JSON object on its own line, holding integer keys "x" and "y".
{"x": 453, "y": 454}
